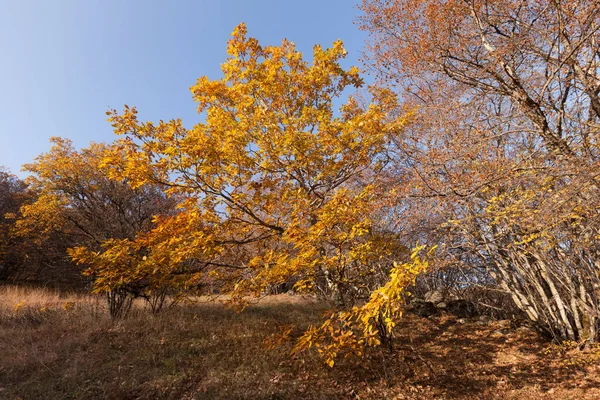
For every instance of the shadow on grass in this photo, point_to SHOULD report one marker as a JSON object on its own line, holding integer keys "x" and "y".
{"x": 441, "y": 358}
{"x": 207, "y": 351}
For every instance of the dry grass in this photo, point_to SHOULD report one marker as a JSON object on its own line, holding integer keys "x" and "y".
{"x": 31, "y": 306}
{"x": 38, "y": 297}
{"x": 71, "y": 350}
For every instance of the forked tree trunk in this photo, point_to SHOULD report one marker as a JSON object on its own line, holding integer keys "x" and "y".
{"x": 119, "y": 303}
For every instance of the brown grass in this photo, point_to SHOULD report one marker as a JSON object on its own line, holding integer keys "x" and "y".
{"x": 57, "y": 346}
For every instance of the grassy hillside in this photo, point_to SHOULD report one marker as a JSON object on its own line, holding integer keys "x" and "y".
{"x": 64, "y": 347}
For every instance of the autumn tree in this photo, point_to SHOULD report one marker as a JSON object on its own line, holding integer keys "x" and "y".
{"x": 75, "y": 198}
{"x": 22, "y": 258}
{"x": 504, "y": 152}
{"x": 279, "y": 185}
{"x": 12, "y": 195}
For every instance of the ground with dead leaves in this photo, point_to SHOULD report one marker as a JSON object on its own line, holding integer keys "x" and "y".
{"x": 66, "y": 347}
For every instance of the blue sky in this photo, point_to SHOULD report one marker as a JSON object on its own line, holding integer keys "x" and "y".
{"x": 65, "y": 62}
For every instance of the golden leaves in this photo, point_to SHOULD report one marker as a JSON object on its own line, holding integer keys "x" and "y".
{"x": 274, "y": 171}
{"x": 275, "y": 185}
{"x": 368, "y": 325}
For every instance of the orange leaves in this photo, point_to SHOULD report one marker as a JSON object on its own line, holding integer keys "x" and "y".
{"x": 368, "y": 325}
{"x": 275, "y": 186}
{"x": 270, "y": 134}
{"x": 105, "y": 220}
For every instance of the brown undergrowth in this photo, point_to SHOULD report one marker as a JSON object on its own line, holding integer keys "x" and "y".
{"x": 65, "y": 347}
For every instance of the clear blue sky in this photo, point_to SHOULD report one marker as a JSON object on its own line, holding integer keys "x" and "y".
{"x": 65, "y": 62}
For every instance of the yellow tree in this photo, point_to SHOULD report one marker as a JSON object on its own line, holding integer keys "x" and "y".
{"x": 279, "y": 185}
{"x": 12, "y": 196}
{"x": 76, "y": 198}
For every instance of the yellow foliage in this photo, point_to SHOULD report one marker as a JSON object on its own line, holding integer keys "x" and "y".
{"x": 19, "y": 305}
{"x": 275, "y": 185}
{"x": 367, "y": 325}
{"x": 272, "y": 176}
